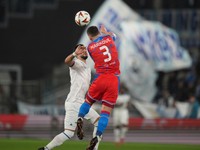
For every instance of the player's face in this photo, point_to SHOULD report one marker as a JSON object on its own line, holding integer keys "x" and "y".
{"x": 84, "y": 54}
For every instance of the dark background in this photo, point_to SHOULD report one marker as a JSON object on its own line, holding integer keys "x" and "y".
{"x": 40, "y": 42}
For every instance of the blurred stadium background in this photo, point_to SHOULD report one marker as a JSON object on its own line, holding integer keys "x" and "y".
{"x": 161, "y": 75}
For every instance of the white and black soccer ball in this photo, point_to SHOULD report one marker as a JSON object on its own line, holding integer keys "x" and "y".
{"x": 82, "y": 18}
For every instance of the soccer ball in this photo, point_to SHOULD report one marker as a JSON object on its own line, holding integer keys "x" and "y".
{"x": 82, "y": 18}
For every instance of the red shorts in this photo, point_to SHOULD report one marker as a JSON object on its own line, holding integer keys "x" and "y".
{"x": 105, "y": 89}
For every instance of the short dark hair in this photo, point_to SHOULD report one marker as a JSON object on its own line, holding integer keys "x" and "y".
{"x": 93, "y": 31}
{"x": 77, "y": 46}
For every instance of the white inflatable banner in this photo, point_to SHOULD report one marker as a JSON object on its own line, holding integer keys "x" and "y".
{"x": 157, "y": 44}
{"x": 136, "y": 72}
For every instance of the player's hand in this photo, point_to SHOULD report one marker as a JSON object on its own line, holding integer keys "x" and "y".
{"x": 80, "y": 49}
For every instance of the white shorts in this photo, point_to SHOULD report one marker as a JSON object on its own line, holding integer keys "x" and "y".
{"x": 71, "y": 115}
{"x": 120, "y": 117}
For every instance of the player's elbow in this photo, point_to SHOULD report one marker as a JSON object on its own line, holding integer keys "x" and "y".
{"x": 66, "y": 61}
{"x": 69, "y": 62}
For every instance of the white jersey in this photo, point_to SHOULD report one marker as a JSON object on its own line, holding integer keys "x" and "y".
{"x": 123, "y": 100}
{"x": 80, "y": 75}
{"x": 120, "y": 111}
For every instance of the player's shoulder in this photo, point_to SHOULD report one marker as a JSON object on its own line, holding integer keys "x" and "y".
{"x": 113, "y": 36}
{"x": 105, "y": 35}
{"x": 75, "y": 60}
{"x": 76, "y": 63}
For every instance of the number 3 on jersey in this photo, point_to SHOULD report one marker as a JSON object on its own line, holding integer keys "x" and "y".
{"x": 106, "y": 53}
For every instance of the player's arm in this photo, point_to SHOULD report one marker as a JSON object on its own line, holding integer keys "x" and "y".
{"x": 104, "y": 31}
{"x": 69, "y": 59}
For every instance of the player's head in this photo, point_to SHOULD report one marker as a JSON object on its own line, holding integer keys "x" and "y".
{"x": 84, "y": 55}
{"x": 92, "y": 32}
{"x": 77, "y": 46}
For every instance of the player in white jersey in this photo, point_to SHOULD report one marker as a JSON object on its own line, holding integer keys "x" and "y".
{"x": 80, "y": 75}
{"x": 121, "y": 116}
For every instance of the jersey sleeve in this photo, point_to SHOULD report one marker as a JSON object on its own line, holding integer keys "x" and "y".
{"x": 77, "y": 64}
{"x": 114, "y": 36}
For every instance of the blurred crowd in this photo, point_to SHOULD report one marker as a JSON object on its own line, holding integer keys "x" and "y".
{"x": 180, "y": 86}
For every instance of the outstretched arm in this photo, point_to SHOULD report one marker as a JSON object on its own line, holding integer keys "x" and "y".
{"x": 104, "y": 31}
{"x": 69, "y": 59}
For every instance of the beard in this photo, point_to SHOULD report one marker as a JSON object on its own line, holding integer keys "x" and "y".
{"x": 84, "y": 57}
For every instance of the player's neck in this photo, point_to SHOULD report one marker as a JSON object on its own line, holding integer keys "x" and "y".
{"x": 83, "y": 60}
{"x": 95, "y": 37}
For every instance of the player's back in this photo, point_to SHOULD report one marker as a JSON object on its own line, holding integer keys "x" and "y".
{"x": 104, "y": 53}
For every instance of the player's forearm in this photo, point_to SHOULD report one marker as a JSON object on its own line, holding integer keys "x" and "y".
{"x": 69, "y": 59}
{"x": 106, "y": 32}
